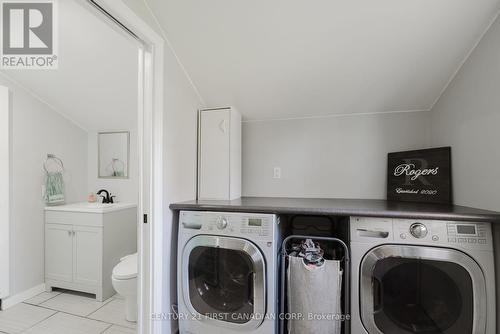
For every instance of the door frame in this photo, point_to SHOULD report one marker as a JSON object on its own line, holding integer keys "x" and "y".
{"x": 5, "y": 186}
{"x": 151, "y": 163}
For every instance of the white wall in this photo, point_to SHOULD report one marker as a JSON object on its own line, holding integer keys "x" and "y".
{"x": 180, "y": 128}
{"x": 36, "y": 131}
{"x": 126, "y": 190}
{"x": 467, "y": 117}
{"x": 343, "y": 157}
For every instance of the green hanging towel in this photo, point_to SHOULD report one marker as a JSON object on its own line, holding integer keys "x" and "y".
{"x": 54, "y": 185}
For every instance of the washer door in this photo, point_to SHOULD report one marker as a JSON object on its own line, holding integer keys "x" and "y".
{"x": 224, "y": 281}
{"x": 413, "y": 289}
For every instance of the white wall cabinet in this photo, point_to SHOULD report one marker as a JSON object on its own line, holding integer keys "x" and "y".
{"x": 81, "y": 249}
{"x": 219, "y": 154}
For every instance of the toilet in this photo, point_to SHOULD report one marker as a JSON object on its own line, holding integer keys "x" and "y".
{"x": 124, "y": 279}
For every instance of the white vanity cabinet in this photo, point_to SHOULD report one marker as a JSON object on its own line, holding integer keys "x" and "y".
{"x": 84, "y": 242}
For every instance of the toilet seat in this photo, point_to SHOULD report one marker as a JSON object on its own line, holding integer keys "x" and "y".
{"x": 127, "y": 268}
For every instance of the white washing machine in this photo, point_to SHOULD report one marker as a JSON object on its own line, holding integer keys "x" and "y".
{"x": 227, "y": 273}
{"x": 422, "y": 276}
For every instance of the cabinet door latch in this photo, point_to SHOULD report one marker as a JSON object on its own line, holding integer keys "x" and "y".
{"x": 145, "y": 219}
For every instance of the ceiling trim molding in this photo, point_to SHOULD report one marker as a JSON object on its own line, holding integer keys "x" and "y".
{"x": 335, "y": 116}
{"x": 466, "y": 58}
{"x": 39, "y": 99}
{"x": 171, "y": 47}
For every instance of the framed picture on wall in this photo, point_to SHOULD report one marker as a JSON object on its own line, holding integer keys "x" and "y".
{"x": 420, "y": 176}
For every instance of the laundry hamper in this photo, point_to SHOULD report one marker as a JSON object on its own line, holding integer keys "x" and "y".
{"x": 311, "y": 295}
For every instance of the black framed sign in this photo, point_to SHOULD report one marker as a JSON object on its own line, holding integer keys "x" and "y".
{"x": 420, "y": 176}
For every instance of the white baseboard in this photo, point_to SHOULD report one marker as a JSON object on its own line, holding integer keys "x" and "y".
{"x": 22, "y": 296}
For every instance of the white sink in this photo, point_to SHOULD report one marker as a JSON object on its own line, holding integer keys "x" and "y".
{"x": 91, "y": 207}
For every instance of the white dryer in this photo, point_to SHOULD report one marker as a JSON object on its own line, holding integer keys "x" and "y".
{"x": 422, "y": 276}
{"x": 227, "y": 273}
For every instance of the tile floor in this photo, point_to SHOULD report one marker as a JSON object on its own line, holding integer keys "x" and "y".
{"x": 66, "y": 312}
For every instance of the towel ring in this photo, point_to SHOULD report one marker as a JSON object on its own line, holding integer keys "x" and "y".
{"x": 52, "y": 157}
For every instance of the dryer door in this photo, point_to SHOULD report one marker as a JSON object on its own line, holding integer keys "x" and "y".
{"x": 224, "y": 281}
{"x": 410, "y": 289}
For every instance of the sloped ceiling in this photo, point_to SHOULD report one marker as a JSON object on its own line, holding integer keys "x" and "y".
{"x": 296, "y": 58}
{"x": 96, "y": 82}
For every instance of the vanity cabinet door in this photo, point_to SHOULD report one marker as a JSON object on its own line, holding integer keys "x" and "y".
{"x": 59, "y": 252}
{"x": 87, "y": 254}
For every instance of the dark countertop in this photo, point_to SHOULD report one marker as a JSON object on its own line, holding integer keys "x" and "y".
{"x": 343, "y": 207}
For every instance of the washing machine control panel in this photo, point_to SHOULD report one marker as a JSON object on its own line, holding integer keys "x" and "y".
{"x": 255, "y": 226}
{"x": 249, "y": 225}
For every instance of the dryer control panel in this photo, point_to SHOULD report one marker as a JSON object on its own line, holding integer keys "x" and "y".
{"x": 467, "y": 235}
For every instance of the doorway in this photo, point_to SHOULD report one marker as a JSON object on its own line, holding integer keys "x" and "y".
{"x": 148, "y": 134}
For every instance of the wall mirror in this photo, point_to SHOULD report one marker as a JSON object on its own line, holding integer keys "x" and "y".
{"x": 113, "y": 151}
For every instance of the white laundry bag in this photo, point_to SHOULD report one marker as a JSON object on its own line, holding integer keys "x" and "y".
{"x": 314, "y": 294}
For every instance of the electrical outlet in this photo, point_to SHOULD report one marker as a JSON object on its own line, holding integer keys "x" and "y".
{"x": 277, "y": 173}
